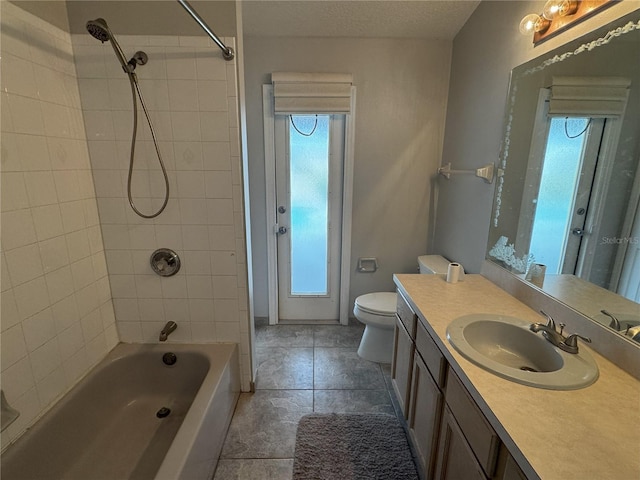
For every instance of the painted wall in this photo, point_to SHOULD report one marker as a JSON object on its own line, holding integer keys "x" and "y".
{"x": 56, "y": 312}
{"x": 484, "y": 52}
{"x": 401, "y": 100}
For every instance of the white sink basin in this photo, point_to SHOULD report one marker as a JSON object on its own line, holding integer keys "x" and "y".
{"x": 506, "y": 347}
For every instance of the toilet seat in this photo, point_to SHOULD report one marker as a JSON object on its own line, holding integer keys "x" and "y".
{"x": 379, "y": 303}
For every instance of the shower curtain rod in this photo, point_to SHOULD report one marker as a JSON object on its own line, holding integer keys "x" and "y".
{"x": 227, "y": 52}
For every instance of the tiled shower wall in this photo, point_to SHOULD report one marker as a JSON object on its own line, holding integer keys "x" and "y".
{"x": 191, "y": 95}
{"x": 56, "y": 312}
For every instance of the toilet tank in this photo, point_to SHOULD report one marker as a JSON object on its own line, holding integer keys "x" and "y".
{"x": 433, "y": 264}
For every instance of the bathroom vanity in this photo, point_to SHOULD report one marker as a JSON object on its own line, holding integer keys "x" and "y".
{"x": 466, "y": 422}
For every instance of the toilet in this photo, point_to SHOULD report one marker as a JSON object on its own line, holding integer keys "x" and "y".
{"x": 378, "y": 313}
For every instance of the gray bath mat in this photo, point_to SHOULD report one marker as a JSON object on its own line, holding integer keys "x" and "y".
{"x": 352, "y": 447}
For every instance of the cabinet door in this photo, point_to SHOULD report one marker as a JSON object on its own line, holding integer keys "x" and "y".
{"x": 455, "y": 459}
{"x": 424, "y": 415}
{"x": 401, "y": 366}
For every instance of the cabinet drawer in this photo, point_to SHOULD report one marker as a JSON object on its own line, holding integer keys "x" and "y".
{"x": 483, "y": 440}
{"x": 406, "y": 315}
{"x": 431, "y": 355}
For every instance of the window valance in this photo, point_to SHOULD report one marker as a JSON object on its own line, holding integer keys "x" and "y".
{"x": 299, "y": 93}
{"x": 589, "y": 96}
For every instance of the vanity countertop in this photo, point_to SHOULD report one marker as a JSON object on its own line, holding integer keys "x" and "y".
{"x": 593, "y": 432}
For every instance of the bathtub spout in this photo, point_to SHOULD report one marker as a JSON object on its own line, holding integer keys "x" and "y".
{"x": 166, "y": 331}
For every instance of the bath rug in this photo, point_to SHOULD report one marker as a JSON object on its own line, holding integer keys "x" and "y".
{"x": 352, "y": 447}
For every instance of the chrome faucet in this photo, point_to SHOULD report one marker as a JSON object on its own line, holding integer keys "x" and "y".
{"x": 167, "y": 330}
{"x": 568, "y": 344}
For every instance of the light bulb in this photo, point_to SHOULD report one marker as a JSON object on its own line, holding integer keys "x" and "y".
{"x": 559, "y": 8}
{"x": 533, "y": 23}
{"x": 552, "y": 9}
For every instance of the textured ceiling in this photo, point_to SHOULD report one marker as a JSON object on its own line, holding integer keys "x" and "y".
{"x": 433, "y": 19}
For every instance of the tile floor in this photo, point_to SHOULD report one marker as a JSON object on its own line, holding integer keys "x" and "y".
{"x": 302, "y": 369}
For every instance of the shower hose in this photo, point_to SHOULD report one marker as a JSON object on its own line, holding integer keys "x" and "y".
{"x": 135, "y": 88}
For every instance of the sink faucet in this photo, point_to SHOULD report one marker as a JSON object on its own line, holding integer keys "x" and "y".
{"x": 167, "y": 330}
{"x": 568, "y": 344}
{"x": 615, "y": 323}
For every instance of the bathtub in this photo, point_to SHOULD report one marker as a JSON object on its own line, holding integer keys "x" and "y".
{"x": 135, "y": 417}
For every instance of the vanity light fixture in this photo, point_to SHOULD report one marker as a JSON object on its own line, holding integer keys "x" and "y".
{"x": 558, "y": 15}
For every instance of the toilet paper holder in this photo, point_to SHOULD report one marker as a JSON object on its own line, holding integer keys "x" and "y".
{"x": 367, "y": 264}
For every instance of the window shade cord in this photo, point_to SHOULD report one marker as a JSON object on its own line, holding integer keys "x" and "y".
{"x": 315, "y": 125}
{"x": 566, "y": 130}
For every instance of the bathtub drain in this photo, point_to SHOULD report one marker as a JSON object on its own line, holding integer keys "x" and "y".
{"x": 163, "y": 412}
{"x": 169, "y": 358}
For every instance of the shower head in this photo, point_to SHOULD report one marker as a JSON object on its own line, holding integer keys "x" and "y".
{"x": 98, "y": 28}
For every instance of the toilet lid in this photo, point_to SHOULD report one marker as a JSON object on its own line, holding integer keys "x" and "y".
{"x": 379, "y": 303}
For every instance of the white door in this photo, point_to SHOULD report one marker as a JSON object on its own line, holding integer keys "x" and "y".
{"x": 564, "y": 194}
{"x": 309, "y": 151}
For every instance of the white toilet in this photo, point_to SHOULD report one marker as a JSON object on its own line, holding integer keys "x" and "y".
{"x": 377, "y": 311}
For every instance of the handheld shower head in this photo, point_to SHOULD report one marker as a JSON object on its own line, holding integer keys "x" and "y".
{"x": 98, "y": 28}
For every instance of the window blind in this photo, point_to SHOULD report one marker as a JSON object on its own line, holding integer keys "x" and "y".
{"x": 299, "y": 93}
{"x": 588, "y": 96}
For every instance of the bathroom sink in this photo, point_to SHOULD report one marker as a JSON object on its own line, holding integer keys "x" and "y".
{"x": 506, "y": 347}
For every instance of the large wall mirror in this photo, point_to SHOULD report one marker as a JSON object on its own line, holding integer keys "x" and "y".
{"x": 566, "y": 214}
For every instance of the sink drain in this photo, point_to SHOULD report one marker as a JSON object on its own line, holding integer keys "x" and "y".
{"x": 528, "y": 369}
{"x": 163, "y": 412}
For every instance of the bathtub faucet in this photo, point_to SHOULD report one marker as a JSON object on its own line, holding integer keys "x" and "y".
{"x": 167, "y": 330}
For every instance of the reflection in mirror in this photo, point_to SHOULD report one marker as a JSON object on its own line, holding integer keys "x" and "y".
{"x": 566, "y": 214}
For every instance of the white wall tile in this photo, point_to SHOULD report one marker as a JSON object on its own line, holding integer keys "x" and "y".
{"x": 24, "y": 264}
{"x": 73, "y": 217}
{"x": 31, "y": 297}
{"x": 17, "y": 379}
{"x": 59, "y": 284}
{"x": 65, "y": 313}
{"x": 212, "y": 96}
{"x": 14, "y": 191}
{"x": 214, "y": 126}
{"x": 183, "y": 96}
{"x": 26, "y": 114}
{"x": 33, "y": 152}
{"x": 10, "y": 160}
{"x": 51, "y": 386}
{"x": 216, "y": 155}
{"x": 45, "y": 359}
{"x": 148, "y": 286}
{"x": 13, "y": 346}
{"x": 181, "y": 63}
{"x": 188, "y": 155}
{"x": 41, "y": 188}
{"x": 9, "y": 315}
{"x": 39, "y": 329}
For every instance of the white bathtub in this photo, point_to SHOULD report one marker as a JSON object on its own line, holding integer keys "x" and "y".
{"x": 107, "y": 426}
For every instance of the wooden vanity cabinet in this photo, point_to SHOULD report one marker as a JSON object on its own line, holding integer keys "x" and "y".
{"x": 418, "y": 372}
{"x": 451, "y": 436}
{"x": 402, "y": 366}
{"x": 403, "y": 351}
{"x": 425, "y": 409}
{"x": 478, "y": 434}
{"x": 455, "y": 460}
